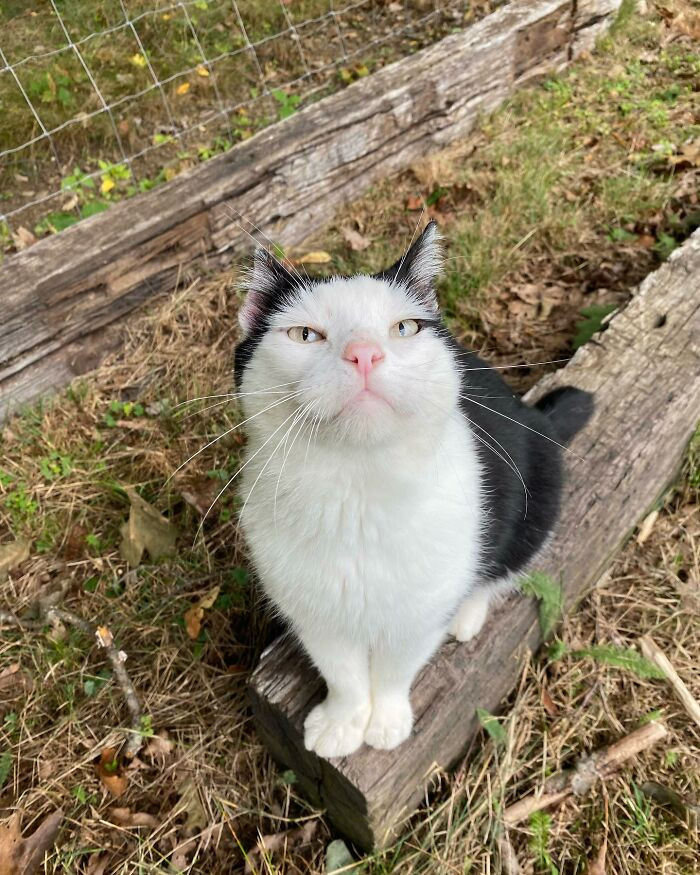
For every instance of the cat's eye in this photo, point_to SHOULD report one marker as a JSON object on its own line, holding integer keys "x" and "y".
{"x": 304, "y": 334}
{"x": 405, "y": 328}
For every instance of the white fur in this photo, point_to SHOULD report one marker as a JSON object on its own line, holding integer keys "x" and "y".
{"x": 364, "y": 522}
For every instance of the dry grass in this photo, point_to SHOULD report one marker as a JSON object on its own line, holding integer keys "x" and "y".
{"x": 210, "y": 791}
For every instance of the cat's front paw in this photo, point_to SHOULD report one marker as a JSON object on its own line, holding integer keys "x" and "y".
{"x": 332, "y": 732}
{"x": 390, "y": 724}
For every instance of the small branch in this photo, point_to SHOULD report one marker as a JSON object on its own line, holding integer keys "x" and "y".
{"x": 118, "y": 658}
{"x": 587, "y": 772}
{"x": 49, "y": 613}
{"x": 653, "y": 652}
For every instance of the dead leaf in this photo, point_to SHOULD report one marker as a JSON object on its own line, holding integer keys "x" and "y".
{"x": 24, "y": 856}
{"x": 549, "y": 704}
{"x": 197, "y": 817}
{"x": 110, "y": 772}
{"x": 23, "y": 238}
{"x": 208, "y": 599}
{"x": 194, "y": 616}
{"x": 354, "y": 239}
{"x": 414, "y": 203}
{"x": 159, "y": 747}
{"x": 97, "y": 864}
{"x": 193, "y": 621}
{"x": 12, "y": 555}
{"x": 318, "y": 257}
{"x": 688, "y": 155}
{"x": 597, "y": 865}
{"x": 291, "y": 838}
{"x": 127, "y": 817}
{"x": 14, "y": 686}
{"x": 146, "y": 530}
{"x": 647, "y": 527}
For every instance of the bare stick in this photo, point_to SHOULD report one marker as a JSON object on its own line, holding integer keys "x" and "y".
{"x": 118, "y": 658}
{"x": 586, "y": 773}
{"x": 653, "y": 652}
{"x": 105, "y": 639}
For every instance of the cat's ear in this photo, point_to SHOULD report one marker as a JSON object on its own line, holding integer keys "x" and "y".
{"x": 421, "y": 265}
{"x": 260, "y": 283}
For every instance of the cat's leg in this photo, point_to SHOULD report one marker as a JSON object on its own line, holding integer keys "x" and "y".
{"x": 471, "y": 614}
{"x": 392, "y": 672}
{"x": 336, "y": 727}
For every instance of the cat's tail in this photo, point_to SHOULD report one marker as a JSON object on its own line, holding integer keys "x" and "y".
{"x": 568, "y": 408}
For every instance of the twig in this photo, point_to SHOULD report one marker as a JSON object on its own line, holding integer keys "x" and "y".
{"x": 49, "y": 613}
{"x": 118, "y": 658}
{"x": 653, "y": 652}
{"x": 586, "y": 772}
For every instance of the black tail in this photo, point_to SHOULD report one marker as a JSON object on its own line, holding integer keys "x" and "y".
{"x": 568, "y": 408}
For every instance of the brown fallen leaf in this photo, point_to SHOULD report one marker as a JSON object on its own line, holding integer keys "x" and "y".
{"x": 191, "y": 803}
{"x": 194, "y": 616}
{"x": 23, "y": 238}
{"x": 647, "y": 527}
{"x": 12, "y": 555}
{"x": 200, "y": 493}
{"x": 354, "y": 239}
{"x": 145, "y": 530}
{"x": 319, "y": 257}
{"x": 414, "y": 203}
{"x": 159, "y": 747}
{"x": 127, "y": 817}
{"x": 97, "y": 864}
{"x": 110, "y": 772}
{"x": 193, "y": 621}
{"x": 549, "y": 704}
{"x": 15, "y": 685}
{"x": 24, "y": 856}
{"x": 290, "y": 838}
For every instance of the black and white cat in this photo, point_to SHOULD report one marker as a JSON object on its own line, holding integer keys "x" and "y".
{"x": 392, "y": 481}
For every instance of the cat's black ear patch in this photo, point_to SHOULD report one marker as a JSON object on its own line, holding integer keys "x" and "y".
{"x": 420, "y": 266}
{"x": 264, "y": 283}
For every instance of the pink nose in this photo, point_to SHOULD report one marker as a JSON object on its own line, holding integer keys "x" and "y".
{"x": 363, "y": 355}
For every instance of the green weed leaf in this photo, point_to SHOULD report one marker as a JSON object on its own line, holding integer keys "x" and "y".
{"x": 621, "y": 657}
{"x": 550, "y": 597}
{"x": 492, "y": 726}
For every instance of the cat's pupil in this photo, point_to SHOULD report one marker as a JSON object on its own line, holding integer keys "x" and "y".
{"x": 402, "y": 329}
{"x": 305, "y": 333}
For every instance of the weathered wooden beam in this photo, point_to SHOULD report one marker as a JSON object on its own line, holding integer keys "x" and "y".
{"x": 289, "y": 180}
{"x": 644, "y": 371}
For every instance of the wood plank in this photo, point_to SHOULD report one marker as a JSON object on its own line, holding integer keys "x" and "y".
{"x": 289, "y": 179}
{"x": 644, "y": 370}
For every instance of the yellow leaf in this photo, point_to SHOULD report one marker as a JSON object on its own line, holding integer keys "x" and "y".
{"x": 319, "y": 257}
{"x": 166, "y": 16}
{"x": 107, "y": 185}
{"x": 193, "y": 621}
{"x": 183, "y": 89}
{"x": 138, "y": 60}
{"x": 202, "y": 70}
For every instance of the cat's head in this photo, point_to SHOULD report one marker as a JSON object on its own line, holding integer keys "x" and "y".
{"x": 364, "y": 357}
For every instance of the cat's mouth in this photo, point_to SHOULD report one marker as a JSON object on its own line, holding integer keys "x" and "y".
{"x": 366, "y": 397}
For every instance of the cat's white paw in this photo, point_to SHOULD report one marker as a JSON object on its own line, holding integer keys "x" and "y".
{"x": 331, "y": 732}
{"x": 390, "y": 724}
{"x": 470, "y": 617}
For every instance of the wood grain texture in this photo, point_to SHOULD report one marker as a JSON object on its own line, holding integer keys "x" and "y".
{"x": 289, "y": 179}
{"x": 644, "y": 371}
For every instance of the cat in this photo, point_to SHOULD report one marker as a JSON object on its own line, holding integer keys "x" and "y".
{"x": 392, "y": 482}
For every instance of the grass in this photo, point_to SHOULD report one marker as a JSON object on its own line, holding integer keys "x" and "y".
{"x": 532, "y": 245}
{"x": 168, "y": 76}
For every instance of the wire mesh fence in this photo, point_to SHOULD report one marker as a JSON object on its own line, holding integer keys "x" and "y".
{"x": 101, "y": 99}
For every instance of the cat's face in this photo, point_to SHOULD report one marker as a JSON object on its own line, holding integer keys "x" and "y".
{"x": 363, "y": 355}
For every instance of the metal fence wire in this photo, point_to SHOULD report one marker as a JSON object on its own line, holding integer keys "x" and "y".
{"x": 101, "y": 99}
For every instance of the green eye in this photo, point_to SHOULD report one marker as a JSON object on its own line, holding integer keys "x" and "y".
{"x": 405, "y": 328}
{"x": 304, "y": 334}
